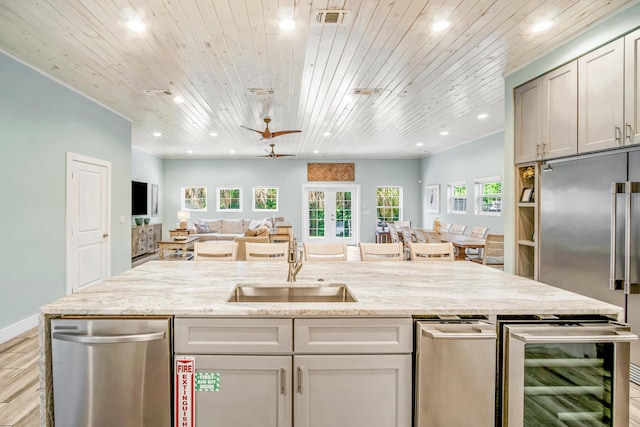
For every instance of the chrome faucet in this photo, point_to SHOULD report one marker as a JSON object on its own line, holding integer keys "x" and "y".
{"x": 294, "y": 264}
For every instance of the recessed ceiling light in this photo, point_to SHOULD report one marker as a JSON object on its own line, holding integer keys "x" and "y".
{"x": 419, "y": 144}
{"x": 348, "y": 98}
{"x": 189, "y": 151}
{"x": 213, "y": 134}
{"x": 444, "y": 133}
{"x": 542, "y": 26}
{"x": 441, "y": 25}
{"x": 327, "y": 134}
{"x": 136, "y": 25}
{"x": 287, "y": 24}
{"x": 178, "y": 100}
{"x": 157, "y": 134}
{"x": 316, "y": 151}
{"x": 232, "y": 151}
{"x": 483, "y": 116}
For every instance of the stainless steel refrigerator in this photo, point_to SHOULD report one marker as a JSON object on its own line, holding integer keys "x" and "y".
{"x": 575, "y": 231}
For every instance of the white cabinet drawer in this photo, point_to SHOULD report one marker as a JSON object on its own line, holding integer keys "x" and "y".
{"x": 353, "y": 335}
{"x": 232, "y": 335}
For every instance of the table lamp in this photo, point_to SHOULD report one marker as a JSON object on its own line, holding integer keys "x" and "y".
{"x": 183, "y": 216}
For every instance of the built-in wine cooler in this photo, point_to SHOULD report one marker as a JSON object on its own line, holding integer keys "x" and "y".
{"x": 565, "y": 374}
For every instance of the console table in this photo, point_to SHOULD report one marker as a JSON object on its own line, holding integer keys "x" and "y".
{"x": 145, "y": 238}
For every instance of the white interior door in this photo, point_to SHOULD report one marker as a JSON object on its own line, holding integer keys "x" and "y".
{"x": 88, "y": 220}
{"x": 330, "y": 213}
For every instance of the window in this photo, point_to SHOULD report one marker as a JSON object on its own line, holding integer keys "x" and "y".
{"x": 488, "y": 195}
{"x": 388, "y": 204}
{"x": 457, "y": 197}
{"x": 265, "y": 199}
{"x": 194, "y": 199}
{"x": 229, "y": 199}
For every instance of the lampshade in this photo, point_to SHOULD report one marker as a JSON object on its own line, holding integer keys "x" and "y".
{"x": 183, "y": 216}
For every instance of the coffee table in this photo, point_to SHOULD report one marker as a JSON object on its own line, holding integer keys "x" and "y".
{"x": 183, "y": 245}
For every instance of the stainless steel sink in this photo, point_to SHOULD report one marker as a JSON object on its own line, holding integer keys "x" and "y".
{"x": 299, "y": 292}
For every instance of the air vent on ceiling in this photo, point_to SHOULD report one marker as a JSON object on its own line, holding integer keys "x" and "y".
{"x": 260, "y": 92}
{"x": 332, "y": 16}
{"x": 157, "y": 91}
{"x": 367, "y": 91}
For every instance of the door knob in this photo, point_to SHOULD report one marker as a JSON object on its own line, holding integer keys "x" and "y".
{"x": 105, "y": 235}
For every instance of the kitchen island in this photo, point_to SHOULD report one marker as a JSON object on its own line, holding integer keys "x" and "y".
{"x": 407, "y": 289}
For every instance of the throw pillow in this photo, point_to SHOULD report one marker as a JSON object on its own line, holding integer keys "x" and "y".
{"x": 251, "y": 232}
{"x": 233, "y": 226}
{"x": 255, "y": 223}
{"x": 201, "y": 227}
{"x": 263, "y": 230}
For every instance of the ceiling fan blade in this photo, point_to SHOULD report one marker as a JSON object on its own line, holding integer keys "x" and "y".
{"x": 285, "y": 155}
{"x": 259, "y": 131}
{"x": 283, "y": 132}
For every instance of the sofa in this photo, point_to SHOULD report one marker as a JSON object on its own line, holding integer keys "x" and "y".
{"x": 240, "y": 230}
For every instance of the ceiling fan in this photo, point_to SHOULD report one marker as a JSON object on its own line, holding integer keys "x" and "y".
{"x": 272, "y": 154}
{"x": 267, "y": 134}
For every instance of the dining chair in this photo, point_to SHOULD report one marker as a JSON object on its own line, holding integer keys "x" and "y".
{"x": 445, "y": 227}
{"x": 216, "y": 251}
{"x": 458, "y": 229}
{"x": 267, "y": 251}
{"x": 430, "y": 236}
{"x": 493, "y": 251}
{"x": 480, "y": 233}
{"x": 431, "y": 251}
{"x": 393, "y": 231}
{"x": 325, "y": 252}
{"x": 381, "y": 251}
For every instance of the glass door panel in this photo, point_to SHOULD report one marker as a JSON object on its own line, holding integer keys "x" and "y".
{"x": 568, "y": 384}
{"x": 329, "y": 215}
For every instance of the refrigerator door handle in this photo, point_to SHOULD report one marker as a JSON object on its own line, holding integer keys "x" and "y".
{"x": 614, "y": 283}
{"x": 627, "y": 188}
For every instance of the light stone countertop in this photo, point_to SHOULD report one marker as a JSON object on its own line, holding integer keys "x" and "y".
{"x": 382, "y": 289}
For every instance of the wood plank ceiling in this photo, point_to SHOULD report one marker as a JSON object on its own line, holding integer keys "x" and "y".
{"x": 212, "y": 52}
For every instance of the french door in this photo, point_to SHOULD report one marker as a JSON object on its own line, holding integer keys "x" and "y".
{"x": 330, "y": 213}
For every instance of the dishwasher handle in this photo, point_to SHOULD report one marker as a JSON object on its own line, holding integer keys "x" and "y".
{"x": 108, "y": 339}
{"x": 472, "y": 333}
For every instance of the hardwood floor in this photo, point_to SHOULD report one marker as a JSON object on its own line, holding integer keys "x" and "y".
{"x": 20, "y": 389}
{"x": 19, "y": 382}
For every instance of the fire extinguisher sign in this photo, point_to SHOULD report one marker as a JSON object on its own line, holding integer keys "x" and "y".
{"x": 185, "y": 369}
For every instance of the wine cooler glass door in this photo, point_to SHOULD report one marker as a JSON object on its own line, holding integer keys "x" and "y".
{"x": 567, "y": 375}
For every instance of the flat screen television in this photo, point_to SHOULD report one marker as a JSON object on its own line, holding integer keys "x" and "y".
{"x": 138, "y": 198}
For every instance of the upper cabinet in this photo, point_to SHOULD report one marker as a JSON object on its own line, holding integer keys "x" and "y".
{"x": 601, "y": 98}
{"x": 528, "y": 127}
{"x": 632, "y": 88}
{"x": 609, "y": 95}
{"x": 546, "y": 114}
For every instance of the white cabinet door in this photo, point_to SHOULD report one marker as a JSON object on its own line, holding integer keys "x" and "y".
{"x": 560, "y": 112}
{"x": 352, "y": 390}
{"x": 254, "y": 391}
{"x": 601, "y": 98}
{"x": 632, "y": 88}
{"x": 528, "y": 126}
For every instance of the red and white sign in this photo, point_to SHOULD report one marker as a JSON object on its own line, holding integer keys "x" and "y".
{"x": 185, "y": 369}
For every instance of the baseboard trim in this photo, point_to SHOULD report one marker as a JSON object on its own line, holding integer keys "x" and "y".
{"x": 18, "y": 328}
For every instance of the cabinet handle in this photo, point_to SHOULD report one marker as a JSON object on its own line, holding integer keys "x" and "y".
{"x": 299, "y": 380}
{"x": 629, "y": 133}
{"x": 537, "y": 151}
{"x": 283, "y": 381}
{"x": 544, "y": 149}
{"x": 618, "y": 135}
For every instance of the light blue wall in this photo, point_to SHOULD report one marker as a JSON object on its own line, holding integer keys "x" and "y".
{"x": 288, "y": 175}
{"x": 40, "y": 121}
{"x": 149, "y": 169}
{"x": 598, "y": 35}
{"x": 478, "y": 159}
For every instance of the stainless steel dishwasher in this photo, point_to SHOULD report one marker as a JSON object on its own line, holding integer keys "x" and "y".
{"x": 455, "y": 373}
{"x": 111, "y": 372}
